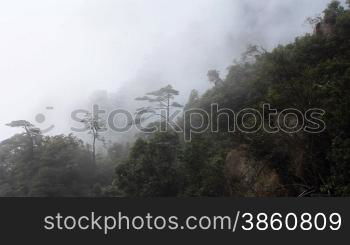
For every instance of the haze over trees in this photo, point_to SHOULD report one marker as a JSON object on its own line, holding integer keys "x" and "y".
{"x": 94, "y": 125}
{"x": 162, "y": 101}
{"x": 311, "y": 72}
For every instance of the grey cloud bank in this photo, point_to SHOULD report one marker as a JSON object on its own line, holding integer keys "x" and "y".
{"x": 56, "y": 53}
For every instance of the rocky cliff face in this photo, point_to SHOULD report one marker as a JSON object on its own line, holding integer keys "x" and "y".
{"x": 324, "y": 28}
{"x": 248, "y": 177}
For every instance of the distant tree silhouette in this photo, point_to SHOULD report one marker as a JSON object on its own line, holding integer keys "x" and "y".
{"x": 161, "y": 100}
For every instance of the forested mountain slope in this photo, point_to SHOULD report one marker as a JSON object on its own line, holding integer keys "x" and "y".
{"x": 311, "y": 72}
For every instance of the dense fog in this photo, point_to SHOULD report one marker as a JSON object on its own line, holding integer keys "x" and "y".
{"x": 56, "y": 54}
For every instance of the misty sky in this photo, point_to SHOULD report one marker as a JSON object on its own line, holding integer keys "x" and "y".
{"x": 56, "y": 53}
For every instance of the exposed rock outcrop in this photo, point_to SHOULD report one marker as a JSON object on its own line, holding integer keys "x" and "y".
{"x": 247, "y": 177}
{"x": 325, "y": 29}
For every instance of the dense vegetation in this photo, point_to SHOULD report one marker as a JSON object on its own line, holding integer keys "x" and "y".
{"x": 311, "y": 72}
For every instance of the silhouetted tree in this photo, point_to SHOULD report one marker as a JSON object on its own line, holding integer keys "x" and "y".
{"x": 161, "y": 100}
{"x": 95, "y": 125}
{"x": 33, "y": 133}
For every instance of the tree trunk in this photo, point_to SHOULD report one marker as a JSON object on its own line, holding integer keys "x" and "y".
{"x": 31, "y": 143}
{"x": 168, "y": 111}
{"x": 94, "y": 150}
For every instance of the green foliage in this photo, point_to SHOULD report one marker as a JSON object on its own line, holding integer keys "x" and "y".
{"x": 311, "y": 72}
{"x": 151, "y": 169}
{"x": 61, "y": 166}
{"x": 334, "y": 10}
{"x": 202, "y": 167}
